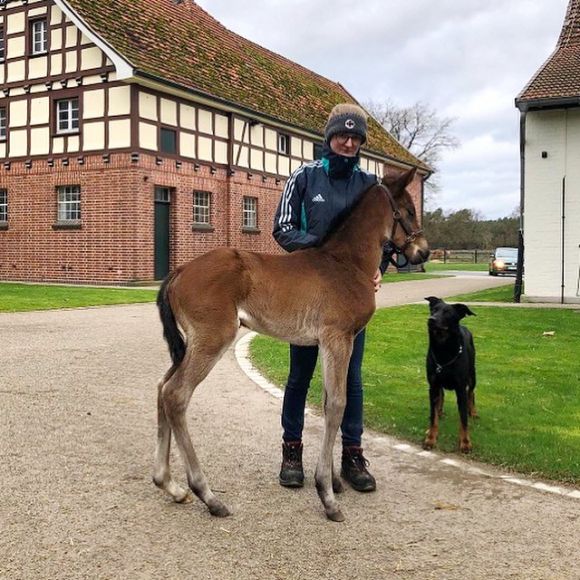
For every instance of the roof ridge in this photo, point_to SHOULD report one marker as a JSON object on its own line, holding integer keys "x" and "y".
{"x": 570, "y": 35}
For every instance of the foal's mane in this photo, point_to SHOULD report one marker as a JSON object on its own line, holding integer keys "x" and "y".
{"x": 341, "y": 220}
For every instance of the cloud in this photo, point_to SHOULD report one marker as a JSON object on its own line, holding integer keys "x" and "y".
{"x": 467, "y": 59}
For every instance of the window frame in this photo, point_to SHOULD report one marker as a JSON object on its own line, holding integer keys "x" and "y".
{"x": 283, "y": 138}
{"x": 203, "y": 209}
{"x": 70, "y": 116}
{"x": 3, "y": 123}
{"x": 167, "y": 130}
{"x": 44, "y": 37}
{"x": 2, "y": 44}
{"x": 246, "y": 224}
{"x": 3, "y": 207}
{"x": 63, "y": 217}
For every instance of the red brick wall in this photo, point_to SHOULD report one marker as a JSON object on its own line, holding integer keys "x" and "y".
{"x": 116, "y": 242}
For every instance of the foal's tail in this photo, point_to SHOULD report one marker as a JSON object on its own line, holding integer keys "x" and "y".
{"x": 171, "y": 332}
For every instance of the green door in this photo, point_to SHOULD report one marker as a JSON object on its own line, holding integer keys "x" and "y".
{"x": 162, "y": 218}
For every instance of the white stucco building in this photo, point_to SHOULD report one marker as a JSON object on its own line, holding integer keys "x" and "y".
{"x": 550, "y": 144}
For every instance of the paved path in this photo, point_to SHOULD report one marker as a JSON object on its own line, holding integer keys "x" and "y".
{"x": 77, "y": 433}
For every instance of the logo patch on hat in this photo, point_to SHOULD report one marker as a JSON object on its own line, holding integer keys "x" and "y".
{"x": 349, "y": 124}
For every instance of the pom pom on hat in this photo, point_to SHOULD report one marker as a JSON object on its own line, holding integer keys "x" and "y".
{"x": 346, "y": 118}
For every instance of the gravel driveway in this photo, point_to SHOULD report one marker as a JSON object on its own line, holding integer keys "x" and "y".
{"x": 77, "y": 434}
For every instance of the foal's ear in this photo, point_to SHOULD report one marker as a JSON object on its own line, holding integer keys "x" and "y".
{"x": 433, "y": 300}
{"x": 397, "y": 184}
{"x": 408, "y": 177}
{"x": 463, "y": 311}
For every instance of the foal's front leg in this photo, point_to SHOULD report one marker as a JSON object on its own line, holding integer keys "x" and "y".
{"x": 336, "y": 353}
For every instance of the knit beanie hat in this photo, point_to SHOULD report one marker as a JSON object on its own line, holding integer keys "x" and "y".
{"x": 346, "y": 118}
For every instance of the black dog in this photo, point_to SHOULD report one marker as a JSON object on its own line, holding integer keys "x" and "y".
{"x": 450, "y": 365}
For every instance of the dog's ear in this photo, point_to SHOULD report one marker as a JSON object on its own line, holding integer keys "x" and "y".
{"x": 463, "y": 311}
{"x": 433, "y": 300}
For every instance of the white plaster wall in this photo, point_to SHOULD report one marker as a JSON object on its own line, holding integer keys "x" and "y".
{"x": 120, "y": 100}
{"x": 119, "y": 134}
{"x": 148, "y": 136}
{"x": 148, "y": 106}
{"x": 558, "y": 134}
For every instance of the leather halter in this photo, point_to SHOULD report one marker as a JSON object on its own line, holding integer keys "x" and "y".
{"x": 411, "y": 235}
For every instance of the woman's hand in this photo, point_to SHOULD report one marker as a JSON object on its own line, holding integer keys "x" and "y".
{"x": 377, "y": 280}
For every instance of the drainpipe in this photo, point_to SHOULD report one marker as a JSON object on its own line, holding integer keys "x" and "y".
{"x": 229, "y": 177}
{"x": 563, "y": 237}
{"x": 520, "y": 271}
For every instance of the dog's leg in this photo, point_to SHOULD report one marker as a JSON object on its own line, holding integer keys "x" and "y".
{"x": 436, "y": 400}
{"x": 462, "y": 405}
{"x": 441, "y": 401}
{"x": 471, "y": 404}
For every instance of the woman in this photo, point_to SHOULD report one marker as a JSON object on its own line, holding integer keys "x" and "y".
{"x": 313, "y": 197}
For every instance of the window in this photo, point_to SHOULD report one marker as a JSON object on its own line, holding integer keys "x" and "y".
{"x": 283, "y": 144}
{"x": 2, "y": 44}
{"x": 250, "y": 213}
{"x": 162, "y": 194}
{"x": 69, "y": 203}
{"x": 2, "y": 123}
{"x": 168, "y": 141}
{"x": 3, "y": 205}
{"x": 201, "y": 207}
{"x": 67, "y": 112}
{"x": 39, "y": 37}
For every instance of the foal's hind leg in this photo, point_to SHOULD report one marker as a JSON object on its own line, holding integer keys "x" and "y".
{"x": 162, "y": 474}
{"x": 336, "y": 353}
{"x": 202, "y": 354}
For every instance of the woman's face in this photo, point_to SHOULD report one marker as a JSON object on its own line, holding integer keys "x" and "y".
{"x": 346, "y": 144}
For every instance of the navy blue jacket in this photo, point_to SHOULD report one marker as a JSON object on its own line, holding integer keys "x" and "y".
{"x": 312, "y": 200}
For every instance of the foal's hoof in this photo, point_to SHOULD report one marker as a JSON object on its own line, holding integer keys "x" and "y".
{"x": 219, "y": 510}
{"x": 186, "y": 498}
{"x": 428, "y": 444}
{"x": 335, "y": 515}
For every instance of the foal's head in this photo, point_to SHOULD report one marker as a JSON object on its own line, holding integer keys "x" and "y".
{"x": 406, "y": 233}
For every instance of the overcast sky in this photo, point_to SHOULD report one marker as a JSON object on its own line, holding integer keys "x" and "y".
{"x": 466, "y": 58}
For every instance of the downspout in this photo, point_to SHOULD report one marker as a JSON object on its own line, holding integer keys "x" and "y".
{"x": 520, "y": 271}
{"x": 564, "y": 215}
{"x": 229, "y": 177}
{"x": 563, "y": 238}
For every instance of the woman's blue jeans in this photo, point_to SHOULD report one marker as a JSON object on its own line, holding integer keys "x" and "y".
{"x": 302, "y": 364}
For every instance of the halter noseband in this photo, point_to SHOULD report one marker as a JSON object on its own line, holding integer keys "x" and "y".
{"x": 411, "y": 235}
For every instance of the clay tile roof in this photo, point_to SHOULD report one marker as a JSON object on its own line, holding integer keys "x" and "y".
{"x": 177, "y": 41}
{"x": 559, "y": 76}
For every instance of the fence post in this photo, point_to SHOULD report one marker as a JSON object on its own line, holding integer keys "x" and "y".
{"x": 445, "y": 255}
{"x": 475, "y": 256}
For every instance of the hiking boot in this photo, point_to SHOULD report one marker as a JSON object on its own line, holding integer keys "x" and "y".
{"x": 291, "y": 472}
{"x": 354, "y": 469}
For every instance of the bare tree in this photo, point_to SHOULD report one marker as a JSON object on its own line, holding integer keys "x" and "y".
{"x": 418, "y": 128}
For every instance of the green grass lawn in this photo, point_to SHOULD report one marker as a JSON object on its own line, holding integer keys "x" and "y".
{"x": 440, "y": 266}
{"x": 527, "y": 392}
{"x": 25, "y": 297}
{"x": 499, "y": 294}
{"x": 393, "y": 276}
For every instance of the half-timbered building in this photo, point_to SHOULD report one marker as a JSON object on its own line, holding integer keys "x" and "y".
{"x": 137, "y": 134}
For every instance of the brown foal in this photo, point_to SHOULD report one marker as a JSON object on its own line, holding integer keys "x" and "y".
{"x": 322, "y": 295}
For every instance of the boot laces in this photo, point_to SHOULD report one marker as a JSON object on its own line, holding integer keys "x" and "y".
{"x": 292, "y": 455}
{"x": 359, "y": 460}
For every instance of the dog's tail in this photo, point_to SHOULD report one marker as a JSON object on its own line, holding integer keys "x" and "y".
{"x": 171, "y": 332}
